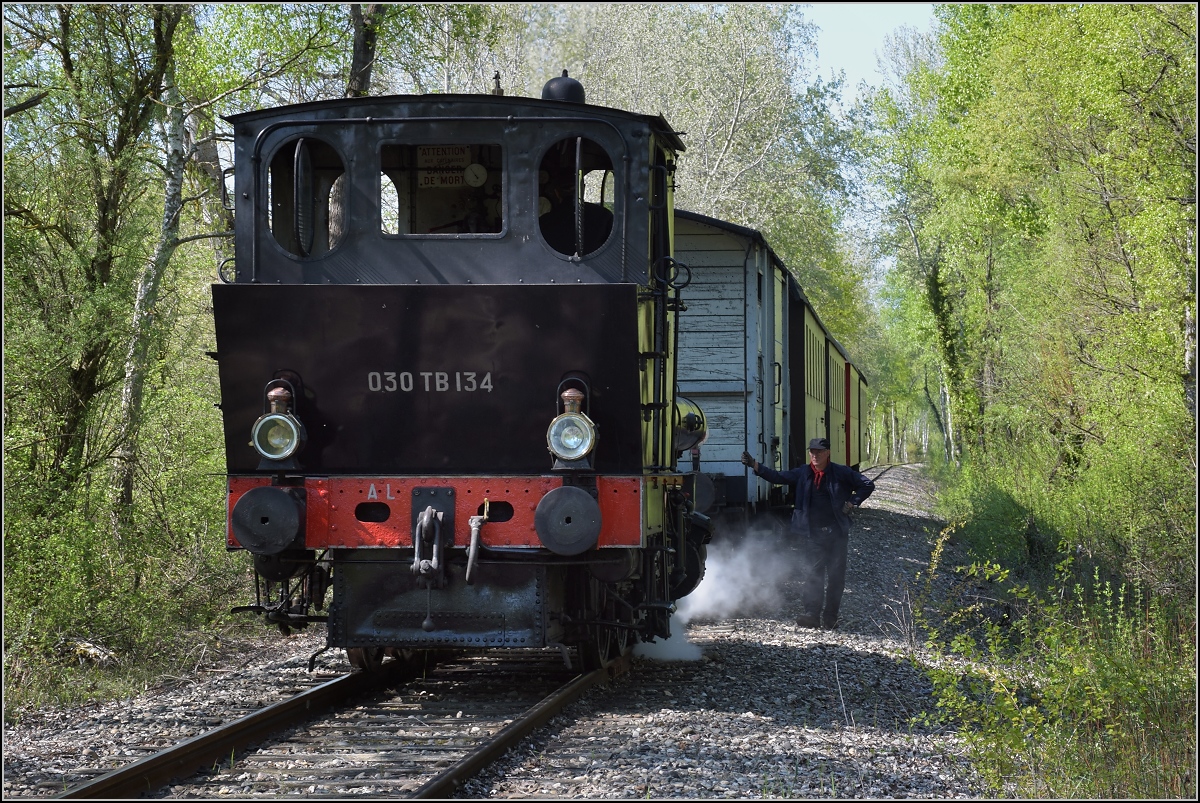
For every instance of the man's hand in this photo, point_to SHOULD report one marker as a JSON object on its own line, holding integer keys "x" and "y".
{"x": 748, "y": 460}
{"x": 846, "y": 508}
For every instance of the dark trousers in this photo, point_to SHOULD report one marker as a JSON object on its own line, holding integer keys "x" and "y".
{"x": 823, "y": 575}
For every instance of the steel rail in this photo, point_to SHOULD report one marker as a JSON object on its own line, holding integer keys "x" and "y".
{"x": 447, "y": 782}
{"x": 886, "y": 469}
{"x": 200, "y": 752}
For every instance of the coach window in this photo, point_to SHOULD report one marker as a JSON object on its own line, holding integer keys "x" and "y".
{"x": 573, "y": 168}
{"x": 306, "y": 187}
{"x": 441, "y": 189}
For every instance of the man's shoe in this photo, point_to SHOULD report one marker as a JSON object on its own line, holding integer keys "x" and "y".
{"x": 808, "y": 621}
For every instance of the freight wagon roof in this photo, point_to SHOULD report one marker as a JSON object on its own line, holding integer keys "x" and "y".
{"x": 451, "y": 105}
{"x": 750, "y": 234}
{"x": 794, "y": 285}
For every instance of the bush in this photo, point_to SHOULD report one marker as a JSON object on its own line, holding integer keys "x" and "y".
{"x": 78, "y": 598}
{"x": 1069, "y": 646}
{"x": 1086, "y": 691}
{"x": 997, "y": 519}
{"x": 93, "y": 609}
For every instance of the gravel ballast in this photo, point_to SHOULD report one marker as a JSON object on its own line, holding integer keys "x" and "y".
{"x": 742, "y": 703}
{"x": 752, "y": 705}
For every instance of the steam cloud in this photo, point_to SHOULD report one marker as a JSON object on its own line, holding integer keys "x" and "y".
{"x": 744, "y": 575}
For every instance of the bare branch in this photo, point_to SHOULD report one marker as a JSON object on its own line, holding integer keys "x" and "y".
{"x": 209, "y": 236}
{"x": 26, "y": 104}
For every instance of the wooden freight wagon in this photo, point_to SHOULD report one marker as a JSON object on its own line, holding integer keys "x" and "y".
{"x": 754, "y": 355}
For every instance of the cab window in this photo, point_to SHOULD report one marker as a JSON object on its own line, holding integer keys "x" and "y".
{"x": 443, "y": 189}
{"x": 306, "y": 184}
{"x": 576, "y": 168}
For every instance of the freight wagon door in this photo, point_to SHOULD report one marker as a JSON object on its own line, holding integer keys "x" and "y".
{"x": 837, "y": 406}
{"x": 814, "y": 379}
{"x": 853, "y": 444}
{"x": 863, "y": 412}
{"x": 780, "y": 438}
{"x": 797, "y": 362}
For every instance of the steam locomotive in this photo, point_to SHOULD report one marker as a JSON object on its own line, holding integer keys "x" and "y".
{"x": 447, "y": 353}
{"x": 449, "y": 348}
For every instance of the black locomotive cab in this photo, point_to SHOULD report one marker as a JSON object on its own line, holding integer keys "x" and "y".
{"x": 418, "y": 189}
{"x": 446, "y": 354}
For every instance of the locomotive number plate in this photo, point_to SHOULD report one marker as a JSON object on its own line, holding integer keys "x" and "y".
{"x": 429, "y": 381}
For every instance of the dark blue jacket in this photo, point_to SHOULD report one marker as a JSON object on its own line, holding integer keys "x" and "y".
{"x": 842, "y": 482}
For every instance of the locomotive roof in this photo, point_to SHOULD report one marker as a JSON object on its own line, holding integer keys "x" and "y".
{"x": 468, "y": 105}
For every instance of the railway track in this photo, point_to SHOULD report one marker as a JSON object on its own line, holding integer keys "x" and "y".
{"x": 882, "y": 470}
{"x": 408, "y": 730}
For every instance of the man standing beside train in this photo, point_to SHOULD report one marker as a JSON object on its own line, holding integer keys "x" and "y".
{"x": 825, "y": 493}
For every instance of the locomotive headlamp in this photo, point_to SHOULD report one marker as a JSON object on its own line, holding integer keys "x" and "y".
{"x": 572, "y": 435}
{"x": 278, "y": 434}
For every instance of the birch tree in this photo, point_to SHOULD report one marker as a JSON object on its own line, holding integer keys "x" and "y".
{"x": 103, "y": 68}
{"x": 180, "y": 150}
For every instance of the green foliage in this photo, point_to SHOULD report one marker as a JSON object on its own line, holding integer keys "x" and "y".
{"x": 230, "y": 42}
{"x": 1042, "y": 183}
{"x": 995, "y": 525}
{"x": 83, "y": 206}
{"x": 78, "y": 225}
{"x": 1089, "y": 692}
{"x": 1039, "y": 169}
{"x": 1025, "y": 164}
{"x": 145, "y": 593}
{"x": 68, "y": 580}
{"x": 444, "y": 47}
{"x": 421, "y": 47}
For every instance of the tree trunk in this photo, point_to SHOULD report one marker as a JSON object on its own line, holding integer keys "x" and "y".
{"x": 951, "y": 450}
{"x": 137, "y": 355}
{"x": 1189, "y": 353}
{"x": 365, "y": 21}
{"x": 892, "y": 435}
{"x": 934, "y": 406}
{"x": 212, "y": 178}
